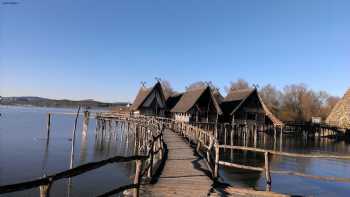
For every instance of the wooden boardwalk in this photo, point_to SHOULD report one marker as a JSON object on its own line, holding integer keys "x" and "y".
{"x": 186, "y": 174}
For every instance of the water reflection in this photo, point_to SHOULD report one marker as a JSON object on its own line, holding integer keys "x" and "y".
{"x": 303, "y": 186}
{"x": 25, "y": 154}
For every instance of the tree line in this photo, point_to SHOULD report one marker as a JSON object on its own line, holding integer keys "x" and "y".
{"x": 295, "y": 102}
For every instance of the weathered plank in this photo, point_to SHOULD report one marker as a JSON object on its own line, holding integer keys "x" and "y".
{"x": 186, "y": 174}
{"x": 183, "y": 174}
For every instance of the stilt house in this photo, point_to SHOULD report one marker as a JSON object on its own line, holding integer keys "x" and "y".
{"x": 197, "y": 105}
{"x": 150, "y": 101}
{"x": 246, "y": 107}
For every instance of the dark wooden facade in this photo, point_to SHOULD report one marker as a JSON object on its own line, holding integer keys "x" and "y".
{"x": 246, "y": 107}
{"x": 198, "y": 105}
{"x": 150, "y": 101}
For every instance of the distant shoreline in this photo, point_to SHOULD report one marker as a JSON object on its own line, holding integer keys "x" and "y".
{"x": 65, "y": 103}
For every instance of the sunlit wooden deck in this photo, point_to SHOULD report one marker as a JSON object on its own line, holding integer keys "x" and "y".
{"x": 186, "y": 174}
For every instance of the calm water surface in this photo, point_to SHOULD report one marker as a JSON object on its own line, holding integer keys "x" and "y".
{"x": 24, "y": 155}
{"x": 292, "y": 184}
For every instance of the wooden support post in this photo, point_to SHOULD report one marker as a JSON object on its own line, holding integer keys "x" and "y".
{"x": 73, "y": 139}
{"x": 281, "y": 138}
{"x": 137, "y": 178}
{"x": 161, "y": 147}
{"x": 267, "y": 172}
{"x": 217, "y": 155}
{"x": 48, "y": 126}
{"x": 150, "y": 170}
{"x": 45, "y": 190}
{"x": 225, "y": 136}
{"x": 86, "y": 123}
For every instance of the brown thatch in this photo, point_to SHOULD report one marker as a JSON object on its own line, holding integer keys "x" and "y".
{"x": 143, "y": 94}
{"x": 189, "y": 99}
{"x": 172, "y": 100}
{"x": 273, "y": 118}
{"x": 238, "y": 95}
{"x": 235, "y": 99}
{"x": 340, "y": 114}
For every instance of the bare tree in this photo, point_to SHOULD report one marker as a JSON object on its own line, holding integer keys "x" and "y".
{"x": 202, "y": 84}
{"x": 301, "y": 103}
{"x": 237, "y": 85}
{"x": 328, "y": 105}
{"x": 167, "y": 88}
{"x": 272, "y": 98}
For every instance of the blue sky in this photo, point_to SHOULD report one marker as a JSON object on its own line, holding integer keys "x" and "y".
{"x": 102, "y": 49}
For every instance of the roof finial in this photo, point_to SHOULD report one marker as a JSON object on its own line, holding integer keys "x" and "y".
{"x": 207, "y": 83}
{"x": 143, "y": 84}
{"x": 158, "y": 79}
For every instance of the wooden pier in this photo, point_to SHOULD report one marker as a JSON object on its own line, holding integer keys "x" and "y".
{"x": 178, "y": 159}
{"x": 184, "y": 173}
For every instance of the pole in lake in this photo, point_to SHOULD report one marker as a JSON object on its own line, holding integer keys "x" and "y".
{"x": 48, "y": 127}
{"x": 72, "y": 150}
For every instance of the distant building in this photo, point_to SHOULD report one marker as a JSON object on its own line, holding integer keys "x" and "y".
{"x": 150, "y": 101}
{"x": 197, "y": 105}
{"x": 246, "y": 107}
{"x": 205, "y": 105}
{"x": 340, "y": 114}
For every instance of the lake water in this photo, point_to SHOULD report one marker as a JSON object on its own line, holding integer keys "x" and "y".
{"x": 292, "y": 185}
{"x": 25, "y": 155}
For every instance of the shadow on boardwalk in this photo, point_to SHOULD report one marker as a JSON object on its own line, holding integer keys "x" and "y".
{"x": 185, "y": 173}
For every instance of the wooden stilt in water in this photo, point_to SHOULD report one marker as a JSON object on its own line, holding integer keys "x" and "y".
{"x": 48, "y": 127}
{"x": 86, "y": 122}
{"x": 267, "y": 172}
{"x": 216, "y": 164}
{"x": 281, "y": 138}
{"x": 137, "y": 177}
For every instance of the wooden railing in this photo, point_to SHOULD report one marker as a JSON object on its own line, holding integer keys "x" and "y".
{"x": 209, "y": 148}
{"x": 207, "y": 143}
{"x": 155, "y": 146}
{"x": 267, "y": 168}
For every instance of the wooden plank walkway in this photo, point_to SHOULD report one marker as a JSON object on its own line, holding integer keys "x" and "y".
{"x": 186, "y": 174}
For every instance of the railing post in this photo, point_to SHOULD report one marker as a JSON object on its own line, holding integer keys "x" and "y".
{"x": 217, "y": 155}
{"x": 161, "y": 146}
{"x": 45, "y": 189}
{"x": 150, "y": 170}
{"x": 137, "y": 178}
{"x": 198, "y": 145}
{"x": 267, "y": 172}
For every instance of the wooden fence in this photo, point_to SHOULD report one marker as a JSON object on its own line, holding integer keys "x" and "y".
{"x": 208, "y": 146}
{"x": 143, "y": 168}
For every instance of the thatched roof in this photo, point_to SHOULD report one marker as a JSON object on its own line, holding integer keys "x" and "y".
{"x": 238, "y": 95}
{"x": 189, "y": 99}
{"x": 219, "y": 98}
{"x": 143, "y": 94}
{"x": 235, "y": 99}
{"x": 172, "y": 100}
{"x": 340, "y": 114}
{"x": 268, "y": 113}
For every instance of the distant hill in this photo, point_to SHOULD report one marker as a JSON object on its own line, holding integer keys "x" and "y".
{"x": 45, "y": 102}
